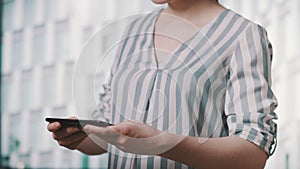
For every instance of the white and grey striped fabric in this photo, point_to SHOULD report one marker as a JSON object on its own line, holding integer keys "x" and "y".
{"x": 216, "y": 84}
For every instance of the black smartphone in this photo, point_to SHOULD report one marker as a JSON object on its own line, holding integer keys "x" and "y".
{"x": 77, "y": 122}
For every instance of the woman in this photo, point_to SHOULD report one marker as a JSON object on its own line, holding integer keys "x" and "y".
{"x": 186, "y": 94}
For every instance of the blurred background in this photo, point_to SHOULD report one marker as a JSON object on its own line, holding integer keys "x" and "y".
{"x": 41, "y": 40}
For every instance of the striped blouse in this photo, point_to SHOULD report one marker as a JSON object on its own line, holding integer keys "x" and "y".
{"x": 215, "y": 84}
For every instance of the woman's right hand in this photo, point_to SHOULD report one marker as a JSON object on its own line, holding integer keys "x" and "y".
{"x": 74, "y": 138}
{"x": 69, "y": 137}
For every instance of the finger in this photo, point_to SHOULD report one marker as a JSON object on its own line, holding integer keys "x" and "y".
{"x": 53, "y": 126}
{"x": 74, "y": 145}
{"x": 65, "y": 132}
{"x": 90, "y": 129}
{"x": 128, "y": 128}
{"x": 100, "y": 131}
{"x": 72, "y": 139}
{"x": 72, "y": 117}
{"x": 56, "y": 125}
{"x": 123, "y": 129}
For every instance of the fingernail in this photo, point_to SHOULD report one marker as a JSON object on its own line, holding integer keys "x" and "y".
{"x": 86, "y": 127}
{"x": 56, "y": 124}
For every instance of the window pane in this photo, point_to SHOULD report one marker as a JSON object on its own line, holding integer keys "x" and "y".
{"x": 87, "y": 33}
{"x": 51, "y": 9}
{"x": 61, "y": 41}
{"x": 92, "y": 44}
{"x": 46, "y": 159}
{"x": 124, "y": 7}
{"x": 26, "y": 90}
{"x": 68, "y": 82}
{"x": 8, "y": 11}
{"x": 17, "y": 51}
{"x": 98, "y": 8}
{"x": 15, "y": 133}
{"x": 38, "y": 49}
{"x": 48, "y": 85}
{"x": 7, "y": 97}
{"x": 29, "y": 12}
{"x": 36, "y": 130}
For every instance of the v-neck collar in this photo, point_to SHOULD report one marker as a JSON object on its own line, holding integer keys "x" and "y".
{"x": 202, "y": 29}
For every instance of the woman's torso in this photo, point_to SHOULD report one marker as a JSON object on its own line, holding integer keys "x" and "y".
{"x": 181, "y": 93}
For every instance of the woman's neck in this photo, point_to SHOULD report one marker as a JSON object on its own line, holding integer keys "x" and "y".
{"x": 184, "y": 5}
{"x": 194, "y": 10}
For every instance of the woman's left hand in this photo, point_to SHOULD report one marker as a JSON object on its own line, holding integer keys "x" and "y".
{"x": 135, "y": 137}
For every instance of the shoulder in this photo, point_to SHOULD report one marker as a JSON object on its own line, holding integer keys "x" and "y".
{"x": 141, "y": 22}
{"x": 248, "y": 26}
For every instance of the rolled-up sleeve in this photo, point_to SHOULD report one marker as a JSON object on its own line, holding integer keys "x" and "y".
{"x": 250, "y": 102}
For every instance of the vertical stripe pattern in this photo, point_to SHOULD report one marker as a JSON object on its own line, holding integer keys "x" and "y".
{"x": 216, "y": 84}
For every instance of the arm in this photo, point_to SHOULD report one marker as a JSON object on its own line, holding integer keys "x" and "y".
{"x": 91, "y": 147}
{"x": 214, "y": 153}
{"x": 228, "y": 152}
